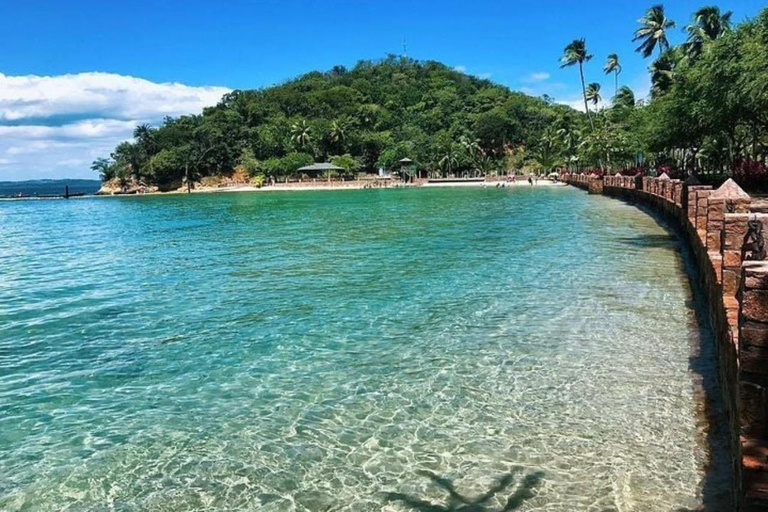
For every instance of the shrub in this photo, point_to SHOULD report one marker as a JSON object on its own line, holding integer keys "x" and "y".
{"x": 751, "y": 175}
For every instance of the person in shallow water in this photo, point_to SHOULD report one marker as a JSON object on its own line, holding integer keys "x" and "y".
{"x": 530, "y": 181}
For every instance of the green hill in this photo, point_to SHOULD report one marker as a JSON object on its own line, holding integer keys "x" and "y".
{"x": 363, "y": 118}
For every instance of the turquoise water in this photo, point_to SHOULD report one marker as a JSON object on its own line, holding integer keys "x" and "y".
{"x": 342, "y": 350}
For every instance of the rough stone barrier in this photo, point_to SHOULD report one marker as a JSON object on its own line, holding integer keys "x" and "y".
{"x": 728, "y": 244}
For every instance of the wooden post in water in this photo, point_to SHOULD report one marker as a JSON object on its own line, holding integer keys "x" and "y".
{"x": 66, "y": 191}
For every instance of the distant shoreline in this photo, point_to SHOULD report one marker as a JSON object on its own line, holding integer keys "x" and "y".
{"x": 305, "y": 186}
{"x": 352, "y": 185}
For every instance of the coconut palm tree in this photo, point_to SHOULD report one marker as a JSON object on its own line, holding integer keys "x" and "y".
{"x": 570, "y": 139}
{"x": 576, "y": 53}
{"x": 708, "y": 24}
{"x": 547, "y": 152}
{"x": 144, "y": 134}
{"x": 300, "y": 133}
{"x": 485, "y": 165}
{"x": 662, "y": 72}
{"x": 593, "y": 93}
{"x": 471, "y": 146}
{"x": 448, "y": 159}
{"x": 105, "y": 168}
{"x": 338, "y": 133}
{"x": 653, "y": 32}
{"x": 625, "y": 98}
{"x": 612, "y": 66}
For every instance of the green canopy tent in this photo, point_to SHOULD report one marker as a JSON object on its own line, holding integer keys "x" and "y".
{"x": 315, "y": 170}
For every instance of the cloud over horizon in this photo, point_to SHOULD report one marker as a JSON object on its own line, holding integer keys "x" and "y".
{"x": 55, "y": 126}
{"x": 533, "y": 78}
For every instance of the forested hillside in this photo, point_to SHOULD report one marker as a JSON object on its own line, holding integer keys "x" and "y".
{"x": 364, "y": 118}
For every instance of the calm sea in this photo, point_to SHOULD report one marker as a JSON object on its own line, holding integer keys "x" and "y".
{"x": 525, "y": 348}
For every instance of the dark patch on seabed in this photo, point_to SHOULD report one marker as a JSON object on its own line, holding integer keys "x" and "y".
{"x": 459, "y": 503}
{"x": 717, "y": 486}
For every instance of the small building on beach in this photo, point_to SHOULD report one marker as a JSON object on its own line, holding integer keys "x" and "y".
{"x": 316, "y": 170}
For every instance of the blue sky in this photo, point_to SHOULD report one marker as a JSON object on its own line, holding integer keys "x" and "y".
{"x": 76, "y": 76}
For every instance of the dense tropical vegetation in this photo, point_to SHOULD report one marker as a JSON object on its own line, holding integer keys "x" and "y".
{"x": 708, "y": 108}
{"x": 707, "y": 113}
{"x": 361, "y": 119}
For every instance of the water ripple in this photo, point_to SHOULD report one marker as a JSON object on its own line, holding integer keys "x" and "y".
{"x": 359, "y": 350}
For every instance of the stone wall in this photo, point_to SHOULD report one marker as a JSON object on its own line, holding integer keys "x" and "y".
{"x": 727, "y": 243}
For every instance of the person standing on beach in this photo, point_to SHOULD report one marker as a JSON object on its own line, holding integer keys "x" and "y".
{"x": 530, "y": 181}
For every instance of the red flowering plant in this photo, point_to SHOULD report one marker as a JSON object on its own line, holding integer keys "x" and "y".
{"x": 669, "y": 171}
{"x": 751, "y": 175}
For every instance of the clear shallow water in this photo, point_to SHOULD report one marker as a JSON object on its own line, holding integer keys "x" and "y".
{"x": 324, "y": 350}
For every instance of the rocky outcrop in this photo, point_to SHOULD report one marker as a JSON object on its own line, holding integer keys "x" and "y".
{"x": 115, "y": 187}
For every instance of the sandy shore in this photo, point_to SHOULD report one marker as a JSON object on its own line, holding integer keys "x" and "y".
{"x": 352, "y": 185}
{"x": 309, "y": 186}
{"x": 493, "y": 184}
{"x": 358, "y": 186}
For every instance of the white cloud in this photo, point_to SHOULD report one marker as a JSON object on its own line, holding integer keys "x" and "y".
{"x": 110, "y": 95}
{"x": 54, "y": 126}
{"x": 533, "y": 78}
{"x": 578, "y": 104}
{"x": 91, "y": 128}
{"x": 463, "y": 69}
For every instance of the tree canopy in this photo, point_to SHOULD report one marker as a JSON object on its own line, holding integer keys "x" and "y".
{"x": 708, "y": 108}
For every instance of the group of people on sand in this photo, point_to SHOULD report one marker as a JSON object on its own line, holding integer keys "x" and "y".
{"x": 532, "y": 180}
{"x": 377, "y": 184}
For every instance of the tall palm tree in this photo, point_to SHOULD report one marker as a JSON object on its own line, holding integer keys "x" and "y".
{"x": 612, "y": 65}
{"x": 624, "y": 98}
{"x": 576, "y": 53}
{"x": 104, "y": 167}
{"x": 338, "y": 132}
{"x": 708, "y": 24}
{"x": 593, "y": 93}
{"x": 448, "y": 161}
{"x": 653, "y": 32}
{"x": 471, "y": 146}
{"x": 143, "y": 133}
{"x": 571, "y": 140}
{"x": 300, "y": 133}
{"x": 662, "y": 72}
{"x": 548, "y": 149}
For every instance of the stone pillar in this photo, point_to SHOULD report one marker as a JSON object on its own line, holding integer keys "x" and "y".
{"x": 692, "y": 201}
{"x": 595, "y": 185}
{"x": 729, "y": 198}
